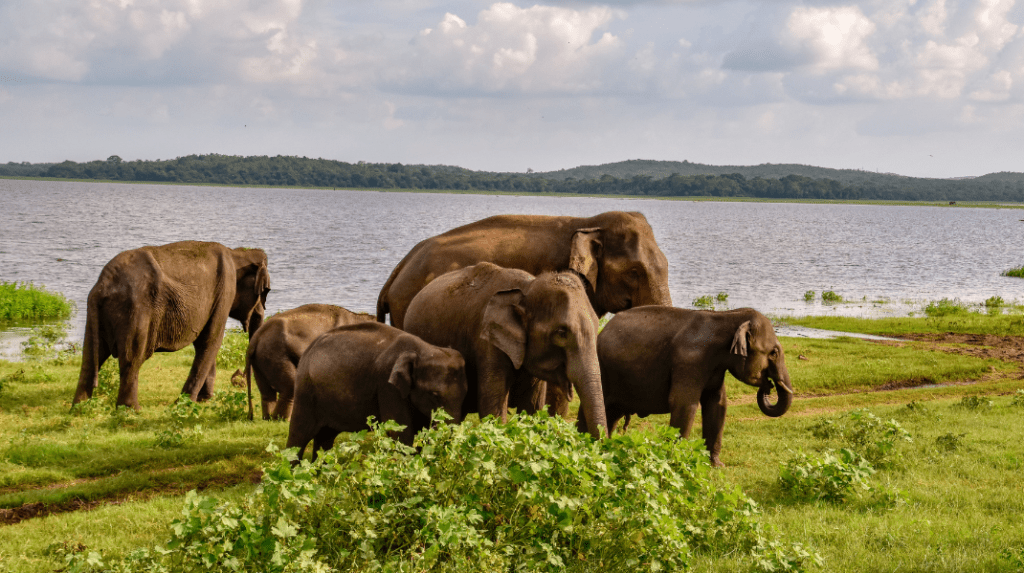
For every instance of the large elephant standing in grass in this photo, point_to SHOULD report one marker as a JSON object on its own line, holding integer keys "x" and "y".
{"x": 614, "y": 253}
{"x": 163, "y": 298}
{"x": 274, "y": 352}
{"x": 514, "y": 329}
{"x": 658, "y": 360}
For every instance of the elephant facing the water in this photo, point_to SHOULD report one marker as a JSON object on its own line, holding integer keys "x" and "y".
{"x": 515, "y": 331}
{"x": 615, "y": 253}
{"x": 659, "y": 360}
{"x": 370, "y": 369}
{"x": 274, "y": 351}
{"x": 163, "y": 298}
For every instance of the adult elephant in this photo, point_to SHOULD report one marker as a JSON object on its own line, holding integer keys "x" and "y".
{"x": 274, "y": 351}
{"x": 163, "y": 298}
{"x": 657, "y": 360}
{"x": 614, "y": 253}
{"x": 513, "y": 328}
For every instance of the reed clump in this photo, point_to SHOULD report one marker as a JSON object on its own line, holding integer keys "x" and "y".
{"x": 20, "y": 301}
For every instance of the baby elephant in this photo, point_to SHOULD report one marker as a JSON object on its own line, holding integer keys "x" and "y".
{"x": 371, "y": 369}
{"x": 658, "y": 360}
{"x": 275, "y": 349}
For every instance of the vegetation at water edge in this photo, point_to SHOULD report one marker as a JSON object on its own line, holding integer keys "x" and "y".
{"x": 21, "y": 301}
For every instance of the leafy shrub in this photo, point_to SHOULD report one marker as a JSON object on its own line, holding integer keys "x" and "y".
{"x": 875, "y": 439}
{"x": 25, "y": 301}
{"x": 1015, "y": 272}
{"x": 530, "y": 495}
{"x": 809, "y": 295}
{"x": 950, "y": 442}
{"x": 46, "y": 341}
{"x": 707, "y": 301}
{"x": 772, "y": 556}
{"x": 916, "y": 407}
{"x": 946, "y": 307}
{"x": 995, "y": 302}
{"x": 231, "y": 355}
{"x": 1014, "y": 556}
{"x": 1018, "y": 398}
{"x": 230, "y": 405}
{"x": 183, "y": 412}
{"x": 830, "y": 297}
{"x": 974, "y": 403}
{"x": 834, "y": 477}
{"x": 722, "y": 297}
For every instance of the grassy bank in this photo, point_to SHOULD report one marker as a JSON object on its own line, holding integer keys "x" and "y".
{"x": 949, "y": 501}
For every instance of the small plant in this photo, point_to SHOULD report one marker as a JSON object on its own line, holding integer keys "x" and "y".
{"x": 25, "y": 301}
{"x": 706, "y": 302}
{"x": 122, "y": 417}
{"x": 230, "y": 405}
{"x": 916, "y": 407}
{"x": 1018, "y": 398}
{"x": 871, "y": 437}
{"x": 834, "y": 477}
{"x": 950, "y": 442}
{"x": 231, "y": 355}
{"x": 46, "y": 341}
{"x": 722, "y": 297}
{"x": 830, "y": 297}
{"x": 995, "y": 302}
{"x": 974, "y": 403}
{"x": 809, "y": 295}
{"x": 1015, "y": 272}
{"x": 1014, "y": 556}
{"x": 946, "y": 307}
{"x": 183, "y": 411}
{"x": 771, "y": 556}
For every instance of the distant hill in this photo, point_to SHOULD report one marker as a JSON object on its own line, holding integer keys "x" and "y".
{"x": 661, "y": 169}
{"x": 635, "y": 178}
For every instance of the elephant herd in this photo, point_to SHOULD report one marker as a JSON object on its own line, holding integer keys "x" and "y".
{"x": 495, "y": 314}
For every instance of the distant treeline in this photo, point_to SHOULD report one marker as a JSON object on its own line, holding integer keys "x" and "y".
{"x": 305, "y": 172}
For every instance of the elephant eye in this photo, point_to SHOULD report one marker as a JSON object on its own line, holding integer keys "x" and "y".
{"x": 774, "y": 355}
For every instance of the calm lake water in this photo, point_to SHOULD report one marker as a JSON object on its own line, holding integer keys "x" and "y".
{"x": 339, "y": 247}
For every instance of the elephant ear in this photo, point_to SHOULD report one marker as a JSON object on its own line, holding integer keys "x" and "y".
{"x": 401, "y": 373}
{"x": 739, "y": 341}
{"x": 262, "y": 283}
{"x": 585, "y": 252}
{"x": 504, "y": 324}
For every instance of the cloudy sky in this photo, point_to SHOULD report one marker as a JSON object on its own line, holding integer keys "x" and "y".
{"x": 929, "y": 88}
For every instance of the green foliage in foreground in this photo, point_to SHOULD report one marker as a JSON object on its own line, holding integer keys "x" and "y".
{"x": 530, "y": 495}
{"x": 231, "y": 355}
{"x": 25, "y": 301}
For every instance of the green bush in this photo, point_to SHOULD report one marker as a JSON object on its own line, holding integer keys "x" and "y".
{"x": 834, "y": 477}
{"x": 809, "y": 295}
{"x": 950, "y": 442}
{"x": 772, "y": 556}
{"x": 946, "y": 307}
{"x": 530, "y": 495}
{"x": 974, "y": 403}
{"x": 231, "y": 355}
{"x": 230, "y": 405}
{"x": 722, "y": 297}
{"x": 830, "y": 297}
{"x": 874, "y": 439}
{"x": 25, "y": 301}
{"x": 706, "y": 302}
{"x": 1015, "y": 272}
{"x": 1018, "y": 398}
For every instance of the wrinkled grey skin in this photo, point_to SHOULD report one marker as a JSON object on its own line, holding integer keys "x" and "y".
{"x": 659, "y": 360}
{"x": 369, "y": 369}
{"x": 274, "y": 352}
{"x": 163, "y": 298}
{"x": 615, "y": 252}
{"x": 513, "y": 328}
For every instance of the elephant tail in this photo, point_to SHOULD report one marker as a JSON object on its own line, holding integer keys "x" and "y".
{"x": 383, "y": 305}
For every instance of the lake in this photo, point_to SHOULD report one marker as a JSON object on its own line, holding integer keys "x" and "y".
{"x": 339, "y": 247}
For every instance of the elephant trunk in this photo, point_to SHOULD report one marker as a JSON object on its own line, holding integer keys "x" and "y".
{"x": 585, "y": 375}
{"x": 785, "y": 391}
{"x": 254, "y": 323}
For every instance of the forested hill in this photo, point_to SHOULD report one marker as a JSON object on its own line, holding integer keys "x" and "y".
{"x": 643, "y": 178}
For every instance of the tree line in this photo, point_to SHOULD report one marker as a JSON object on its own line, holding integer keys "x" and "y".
{"x": 306, "y": 172}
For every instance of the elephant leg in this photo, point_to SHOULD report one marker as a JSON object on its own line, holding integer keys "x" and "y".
{"x": 712, "y": 411}
{"x": 128, "y": 394}
{"x": 683, "y": 400}
{"x": 282, "y": 408}
{"x": 557, "y": 400}
{"x": 284, "y": 393}
{"x": 495, "y": 371}
{"x": 206, "y": 390}
{"x": 199, "y": 384}
{"x": 324, "y": 440}
{"x": 92, "y": 362}
{"x": 614, "y": 414}
{"x": 528, "y": 398}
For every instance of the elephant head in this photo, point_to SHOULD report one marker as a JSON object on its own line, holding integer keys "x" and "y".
{"x": 549, "y": 329}
{"x": 431, "y": 378}
{"x": 621, "y": 262}
{"x": 763, "y": 364}
{"x": 252, "y": 283}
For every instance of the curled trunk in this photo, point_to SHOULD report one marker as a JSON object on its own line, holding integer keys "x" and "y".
{"x": 781, "y": 405}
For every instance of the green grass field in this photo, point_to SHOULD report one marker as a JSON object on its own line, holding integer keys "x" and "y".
{"x": 950, "y": 500}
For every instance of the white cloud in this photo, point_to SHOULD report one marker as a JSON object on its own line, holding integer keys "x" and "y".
{"x": 833, "y": 38}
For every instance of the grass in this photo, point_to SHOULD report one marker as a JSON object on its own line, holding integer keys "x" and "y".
{"x": 1001, "y": 324}
{"x": 952, "y": 503}
{"x": 26, "y": 302}
{"x": 1014, "y": 272}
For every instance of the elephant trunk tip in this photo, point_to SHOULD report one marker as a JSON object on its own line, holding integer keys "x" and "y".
{"x": 781, "y": 406}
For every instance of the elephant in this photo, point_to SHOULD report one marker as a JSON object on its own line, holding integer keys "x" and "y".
{"x": 163, "y": 298}
{"x": 658, "y": 360}
{"x": 513, "y": 328}
{"x": 614, "y": 253}
{"x": 274, "y": 351}
{"x": 370, "y": 369}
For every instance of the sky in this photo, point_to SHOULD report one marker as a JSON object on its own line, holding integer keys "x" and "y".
{"x": 926, "y": 88}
